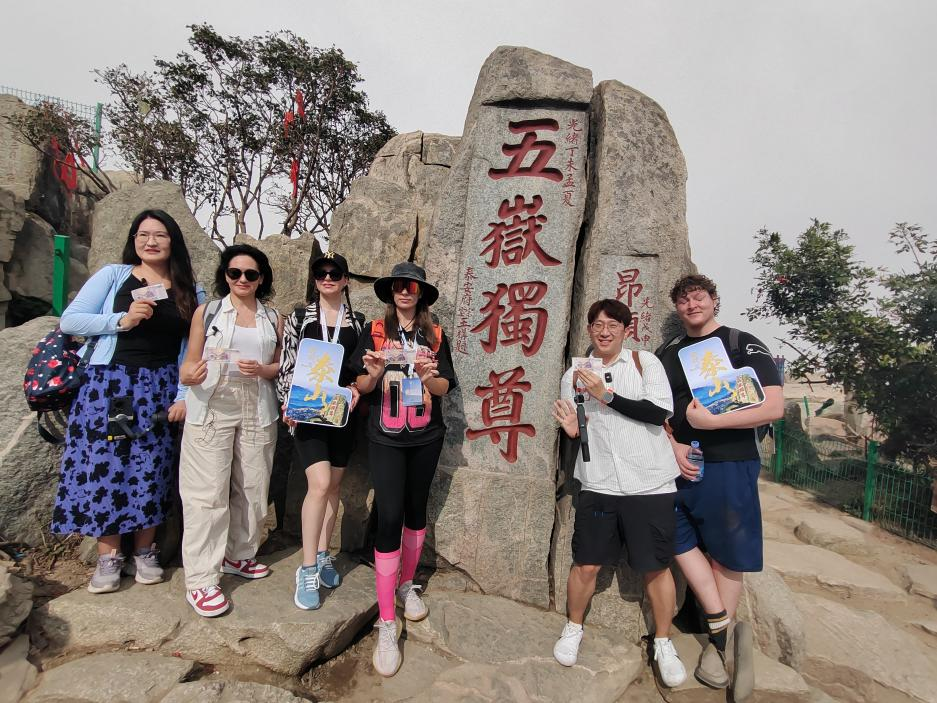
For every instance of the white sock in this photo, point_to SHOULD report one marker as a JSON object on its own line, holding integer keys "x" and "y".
{"x": 577, "y": 627}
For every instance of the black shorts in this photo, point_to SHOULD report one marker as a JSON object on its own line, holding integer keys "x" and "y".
{"x": 643, "y": 525}
{"x": 332, "y": 444}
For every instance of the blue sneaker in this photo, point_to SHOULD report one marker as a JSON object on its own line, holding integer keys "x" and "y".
{"x": 328, "y": 576}
{"x": 307, "y": 588}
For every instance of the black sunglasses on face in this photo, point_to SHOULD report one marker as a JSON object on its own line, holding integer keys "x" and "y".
{"x": 331, "y": 274}
{"x": 235, "y": 274}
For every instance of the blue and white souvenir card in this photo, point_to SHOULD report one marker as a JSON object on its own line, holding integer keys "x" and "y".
{"x": 713, "y": 380}
{"x": 315, "y": 396}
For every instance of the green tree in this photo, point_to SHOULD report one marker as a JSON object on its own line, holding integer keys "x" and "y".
{"x": 872, "y": 330}
{"x": 212, "y": 119}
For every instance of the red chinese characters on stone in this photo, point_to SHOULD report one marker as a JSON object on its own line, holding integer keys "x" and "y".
{"x": 543, "y": 149}
{"x": 515, "y": 321}
{"x": 502, "y": 402}
{"x": 515, "y": 238}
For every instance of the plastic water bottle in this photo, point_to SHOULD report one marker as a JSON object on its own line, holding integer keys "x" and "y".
{"x": 695, "y": 456}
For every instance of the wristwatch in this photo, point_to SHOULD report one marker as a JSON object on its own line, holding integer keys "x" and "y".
{"x": 608, "y": 396}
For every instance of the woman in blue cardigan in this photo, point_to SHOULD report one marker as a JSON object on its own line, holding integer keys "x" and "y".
{"x": 111, "y": 486}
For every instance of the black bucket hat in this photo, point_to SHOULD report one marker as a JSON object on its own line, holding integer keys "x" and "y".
{"x": 407, "y": 271}
{"x": 330, "y": 257}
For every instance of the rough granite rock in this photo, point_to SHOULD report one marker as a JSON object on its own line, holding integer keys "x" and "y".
{"x": 19, "y": 162}
{"x": 774, "y": 682}
{"x": 16, "y": 601}
{"x": 115, "y": 677}
{"x": 263, "y": 627}
{"x": 504, "y": 652}
{"x": 830, "y": 532}
{"x": 228, "y": 692}
{"x": 778, "y": 624}
{"x": 29, "y": 466}
{"x": 921, "y": 579}
{"x": 858, "y": 655}
{"x": 17, "y": 674}
{"x": 636, "y": 243}
{"x": 802, "y": 563}
{"x": 114, "y": 213}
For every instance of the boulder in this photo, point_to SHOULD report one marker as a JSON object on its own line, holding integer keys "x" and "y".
{"x": 16, "y": 601}
{"x": 776, "y": 621}
{"x": 387, "y": 214}
{"x": 504, "y": 651}
{"x": 29, "y": 271}
{"x": 289, "y": 259}
{"x": 228, "y": 692}
{"x": 116, "y": 677}
{"x": 774, "y": 682}
{"x": 636, "y": 243}
{"x": 830, "y": 532}
{"x": 921, "y": 579}
{"x": 929, "y": 626}
{"x": 17, "y": 674}
{"x": 29, "y": 466}
{"x": 516, "y": 198}
{"x": 809, "y": 565}
{"x": 859, "y": 656}
{"x": 114, "y": 213}
{"x": 263, "y": 627}
{"x": 19, "y": 162}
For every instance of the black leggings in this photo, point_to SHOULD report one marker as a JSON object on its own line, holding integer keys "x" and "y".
{"x": 402, "y": 477}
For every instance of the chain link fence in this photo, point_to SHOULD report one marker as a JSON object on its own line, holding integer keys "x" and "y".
{"x": 854, "y": 480}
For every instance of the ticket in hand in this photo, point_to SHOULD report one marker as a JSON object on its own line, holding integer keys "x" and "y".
{"x": 155, "y": 292}
{"x": 224, "y": 356}
{"x": 396, "y": 356}
{"x": 587, "y": 362}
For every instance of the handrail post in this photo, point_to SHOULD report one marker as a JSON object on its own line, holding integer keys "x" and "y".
{"x": 778, "y": 448}
{"x": 60, "y": 261}
{"x": 871, "y": 464}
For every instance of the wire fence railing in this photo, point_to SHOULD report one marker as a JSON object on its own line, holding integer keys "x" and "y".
{"x": 854, "y": 479}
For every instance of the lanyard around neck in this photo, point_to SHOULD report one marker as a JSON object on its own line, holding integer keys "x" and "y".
{"x": 407, "y": 346}
{"x": 323, "y": 324}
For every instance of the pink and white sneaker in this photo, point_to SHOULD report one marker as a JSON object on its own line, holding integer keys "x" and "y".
{"x": 208, "y": 602}
{"x": 245, "y": 568}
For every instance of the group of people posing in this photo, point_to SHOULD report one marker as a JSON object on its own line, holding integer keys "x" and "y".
{"x": 638, "y": 494}
{"x": 224, "y": 367}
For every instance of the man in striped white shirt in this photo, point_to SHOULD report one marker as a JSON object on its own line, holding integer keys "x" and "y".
{"x": 627, "y": 488}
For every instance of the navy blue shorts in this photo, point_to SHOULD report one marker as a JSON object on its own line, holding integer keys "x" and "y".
{"x": 721, "y": 514}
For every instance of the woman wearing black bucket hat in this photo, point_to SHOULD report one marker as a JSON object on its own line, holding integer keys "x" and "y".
{"x": 404, "y": 366}
{"x": 322, "y": 451}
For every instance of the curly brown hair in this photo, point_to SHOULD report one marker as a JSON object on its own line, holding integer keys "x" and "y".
{"x": 695, "y": 281}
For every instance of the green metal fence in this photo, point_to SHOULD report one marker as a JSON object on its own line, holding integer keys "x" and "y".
{"x": 854, "y": 480}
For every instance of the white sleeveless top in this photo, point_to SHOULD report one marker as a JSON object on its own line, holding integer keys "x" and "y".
{"x": 245, "y": 341}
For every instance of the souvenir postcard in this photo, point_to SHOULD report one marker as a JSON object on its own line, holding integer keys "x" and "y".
{"x": 315, "y": 396}
{"x": 714, "y": 382}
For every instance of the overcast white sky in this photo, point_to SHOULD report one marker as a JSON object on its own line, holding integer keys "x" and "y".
{"x": 784, "y": 110}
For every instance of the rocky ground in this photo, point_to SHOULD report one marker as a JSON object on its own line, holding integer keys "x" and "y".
{"x": 844, "y": 611}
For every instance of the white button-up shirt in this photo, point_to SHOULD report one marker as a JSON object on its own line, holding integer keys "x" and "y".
{"x": 628, "y": 457}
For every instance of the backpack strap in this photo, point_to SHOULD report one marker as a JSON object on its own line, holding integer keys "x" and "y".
{"x": 637, "y": 363}
{"x": 378, "y": 335}
{"x": 211, "y": 312}
{"x": 733, "y": 341}
{"x": 669, "y": 343}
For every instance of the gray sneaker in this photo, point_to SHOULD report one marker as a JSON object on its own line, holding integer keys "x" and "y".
{"x": 106, "y": 577}
{"x": 146, "y": 566}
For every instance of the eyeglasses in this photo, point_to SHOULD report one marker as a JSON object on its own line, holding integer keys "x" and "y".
{"x": 235, "y": 274}
{"x": 612, "y": 327}
{"x": 161, "y": 237}
{"x": 401, "y": 286}
{"x": 331, "y": 274}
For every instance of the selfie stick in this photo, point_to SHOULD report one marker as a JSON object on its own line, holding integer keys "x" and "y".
{"x": 583, "y": 433}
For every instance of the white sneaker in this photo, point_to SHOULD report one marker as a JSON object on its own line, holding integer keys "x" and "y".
{"x": 387, "y": 658}
{"x": 672, "y": 671}
{"x": 566, "y": 649}
{"x": 414, "y": 609}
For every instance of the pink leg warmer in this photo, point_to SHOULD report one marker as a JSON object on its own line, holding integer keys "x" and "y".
{"x": 386, "y": 565}
{"x": 412, "y": 546}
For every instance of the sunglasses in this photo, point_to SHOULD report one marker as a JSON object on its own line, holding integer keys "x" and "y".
{"x": 235, "y": 274}
{"x": 404, "y": 286}
{"x": 331, "y": 274}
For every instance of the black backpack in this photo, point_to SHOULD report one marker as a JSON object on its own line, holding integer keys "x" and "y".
{"x": 734, "y": 348}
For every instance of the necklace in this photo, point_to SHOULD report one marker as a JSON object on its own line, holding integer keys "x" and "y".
{"x": 406, "y": 327}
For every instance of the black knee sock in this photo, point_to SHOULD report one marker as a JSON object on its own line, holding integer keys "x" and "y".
{"x": 718, "y": 629}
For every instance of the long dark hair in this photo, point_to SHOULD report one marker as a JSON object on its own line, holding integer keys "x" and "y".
{"x": 264, "y": 290}
{"x": 180, "y": 265}
{"x": 423, "y": 321}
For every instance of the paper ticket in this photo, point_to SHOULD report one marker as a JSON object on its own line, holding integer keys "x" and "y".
{"x": 226, "y": 356}
{"x": 587, "y": 362}
{"x": 157, "y": 291}
{"x": 396, "y": 356}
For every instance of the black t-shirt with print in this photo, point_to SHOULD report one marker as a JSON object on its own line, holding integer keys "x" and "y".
{"x": 390, "y": 422}
{"x": 718, "y": 445}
